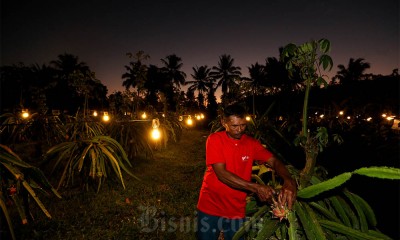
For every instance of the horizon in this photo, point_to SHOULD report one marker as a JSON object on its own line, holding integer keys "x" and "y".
{"x": 101, "y": 33}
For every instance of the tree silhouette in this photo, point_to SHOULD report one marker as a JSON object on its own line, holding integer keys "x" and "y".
{"x": 154, "y": 82}
{"x": 257, "y": 77}
{"x": 226, "y": 74}
{"x": 354, "y": 71}
{"x": 277, "y": 77}
{"x": 201, "y": 81}
{"x": 74, "y": 82}
{"x": 136, "y": 76}
{"x": 172, "y": 66}
{"x": 172, "y": 79}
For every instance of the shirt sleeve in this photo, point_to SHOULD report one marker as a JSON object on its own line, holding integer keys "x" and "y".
{"x": 213, "y": 150}
{"x": 261, "y": 154}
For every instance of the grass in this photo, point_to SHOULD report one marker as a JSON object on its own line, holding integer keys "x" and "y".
{"x": 161, "y": 206}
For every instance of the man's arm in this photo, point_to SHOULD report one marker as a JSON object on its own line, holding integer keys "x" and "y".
{"x": 287, "y": 194}
{"x": 264, "y": 192}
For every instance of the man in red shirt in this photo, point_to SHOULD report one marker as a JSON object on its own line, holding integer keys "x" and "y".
{"x": 227, "y": 180}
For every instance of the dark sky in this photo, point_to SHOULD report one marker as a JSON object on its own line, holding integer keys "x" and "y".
{"x": 101, "y": 32}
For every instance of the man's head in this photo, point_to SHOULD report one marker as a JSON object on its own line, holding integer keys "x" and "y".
{"x": 234, "y": 120}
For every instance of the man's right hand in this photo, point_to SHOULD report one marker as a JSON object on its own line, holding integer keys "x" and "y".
{"x": 264, "y": 192}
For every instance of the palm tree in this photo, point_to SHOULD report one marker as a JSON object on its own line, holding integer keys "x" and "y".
{"x": 201, "y": 81}
{"x": 135, "y": 75}
{"x": 226, "y": 74}
{"x": 172, "y": 80}
{"x": 212, "y": 105}
{"x": 257, "y": 77}
{"x": 154, "y": 83}
{"x": 354, "y": 71}
{"x": 67, "y": 64}
{"x": 72, "y": 78}
{"x": 172, "y": 70}
{"x": 277, "y": 77}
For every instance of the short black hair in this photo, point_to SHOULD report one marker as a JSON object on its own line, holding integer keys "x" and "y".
{"x": 234, "y": 110}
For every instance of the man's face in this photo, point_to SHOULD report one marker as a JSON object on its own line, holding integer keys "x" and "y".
{"x": 234, "y": 126}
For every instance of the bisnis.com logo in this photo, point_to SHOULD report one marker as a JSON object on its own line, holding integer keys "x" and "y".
{"x": 153, "y": 219}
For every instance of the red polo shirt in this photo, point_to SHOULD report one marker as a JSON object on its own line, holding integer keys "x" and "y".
{"x": 217, "y": 198}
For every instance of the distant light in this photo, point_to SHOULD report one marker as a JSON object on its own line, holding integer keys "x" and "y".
{"x": 341, "y": 113}
{"x": 369, "y": 119}
{"x": 106, "y": 118}
{"x": 390, "y": 118}
{"x": 95, "y": 113}
{"x": 189, "y": 121}
{"x": 322, "y": 116}
{"x": 248, "y": 118}
{"x": 155, "y": 134}
{"x": 198, "y": 117}
{"x": 25, "y": 113}
{"x": 202, "y": 116}
{"x": 144, "y": 116}
{"x": 384, "y": 115}
{"x": 348, "y": 117}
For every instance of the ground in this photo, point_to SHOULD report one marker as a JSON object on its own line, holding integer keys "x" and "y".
{"x": 160, "y": 206}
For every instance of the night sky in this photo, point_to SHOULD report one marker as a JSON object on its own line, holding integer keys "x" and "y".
{"x": 101, "y": 32}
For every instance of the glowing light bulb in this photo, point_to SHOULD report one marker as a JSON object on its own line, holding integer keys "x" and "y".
{"x": 25, "y": 113}
{"x": 106, "y": 118}
{"x": 155, "y": 134}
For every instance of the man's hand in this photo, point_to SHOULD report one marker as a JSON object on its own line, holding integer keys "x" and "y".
{"x": 288, "y": 193}
{"x": 265, "y": 193}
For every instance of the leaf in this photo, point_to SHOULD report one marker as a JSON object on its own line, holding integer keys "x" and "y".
{"x": 380, "y": 172}
{"x": 316, "y": 189}
{"x": 355, "y": 224}
{"x": 293, "y": 224}
{"x": 325, "y": 45}
{"x": 289, "y": 50}
{"x": 361, "y": 216}
{"x": 258, "y": 179}
{"x": 324, "y": 211}
{"x": 368, "y": 211}
{"x": 379, "y": 235}
{"x": 322, "y": 81}
{"x": 318, "y": 232}
{"x": 326, "y": 62}
{"x": 7, "y": 216}
{"x": 305, "y": 220}
{"x": 339, "y": 209}
{"x": 340, "y": 228}
{"x": 269, "y": 227}
{"x": 37, "y": 200}
{"x": 247, "y": 224}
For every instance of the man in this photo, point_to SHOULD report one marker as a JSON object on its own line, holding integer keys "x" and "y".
{"x": 227, "y": 180}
